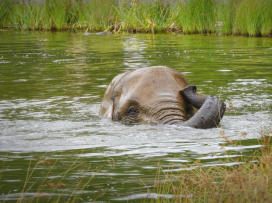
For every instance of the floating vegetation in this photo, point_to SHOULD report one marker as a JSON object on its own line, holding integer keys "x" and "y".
{"x": 232, "y": 17}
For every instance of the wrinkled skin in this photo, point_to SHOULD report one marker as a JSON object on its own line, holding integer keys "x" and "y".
{"x": 159, "y": 95}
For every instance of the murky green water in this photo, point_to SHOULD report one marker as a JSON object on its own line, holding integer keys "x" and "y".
{"x": 51, "y": 86}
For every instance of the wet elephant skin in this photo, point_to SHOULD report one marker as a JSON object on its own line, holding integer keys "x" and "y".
{"x": 159, "y": 95}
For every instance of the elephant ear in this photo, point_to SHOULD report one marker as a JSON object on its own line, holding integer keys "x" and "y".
{"x": 106, "y": 107}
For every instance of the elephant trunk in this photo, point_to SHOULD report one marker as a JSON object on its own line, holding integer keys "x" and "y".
{"x": 210, "y": 111}
{"x": 167, "y": 112}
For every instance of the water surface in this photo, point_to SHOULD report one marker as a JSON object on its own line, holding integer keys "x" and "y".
{"x": 51, "y": 86}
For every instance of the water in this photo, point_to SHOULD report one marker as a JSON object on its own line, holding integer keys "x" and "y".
{"x": 51, "y": 86}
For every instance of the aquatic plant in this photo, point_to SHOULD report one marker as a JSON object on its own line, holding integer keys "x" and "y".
{"x": 27, "y": 17}
{"x": 147, "y": 16}
{"x": 197, "y": 16}
{"x": 5, "y": 6}
{"x": 97, "y": 15}
{"x": 253, "y": 18}
{"x": 51, "y": 15}
{"x": 226, "y": 15}
{"x": 239, "y": 17}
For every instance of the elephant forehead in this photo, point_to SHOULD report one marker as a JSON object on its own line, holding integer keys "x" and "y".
{"x": 146, "y": 92}
{"x": 149, "y": 85}
{"x": 152, "y": 77}
{"x": 156, "y": 76}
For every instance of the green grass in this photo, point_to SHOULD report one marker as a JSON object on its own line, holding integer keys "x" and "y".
{"x": 226, "y": 15}
{"x": 60, "y": 15}
{"x": 147, "y": 17}
{"x": 5, "y": 7}
{"x": 197, "y": 16}
{"x": 253, "y": 18}
{"x": 231, "y": 17}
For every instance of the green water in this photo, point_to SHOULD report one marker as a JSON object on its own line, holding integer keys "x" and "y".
{"x": 51, "y": 86}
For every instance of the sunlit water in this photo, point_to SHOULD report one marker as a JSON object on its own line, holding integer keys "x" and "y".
{"x": 51, "y": 86}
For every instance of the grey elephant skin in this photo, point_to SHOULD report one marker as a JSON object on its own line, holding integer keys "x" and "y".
{"x": 159, "y": 95}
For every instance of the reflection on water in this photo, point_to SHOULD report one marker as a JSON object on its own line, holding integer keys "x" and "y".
{"x": 134, "y": 51}
{"x": 49, "y": 101}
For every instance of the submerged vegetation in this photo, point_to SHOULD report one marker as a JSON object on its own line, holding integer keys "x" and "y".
{"x": 228, "y": 17}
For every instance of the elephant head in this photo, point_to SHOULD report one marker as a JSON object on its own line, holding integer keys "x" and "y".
{"x": 159, "y": 95}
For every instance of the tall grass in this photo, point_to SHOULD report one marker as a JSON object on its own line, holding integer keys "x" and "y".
{"x": 197, "y": 16}
{"x": 253, "y": 18}
{"x": 62, "y": 15}
{"x": 147, "y": 17}
{"x": 97, "y": 15}
{"x": 249, "y": 180}
{"x": 238, "y": 17}
{"x": 226, "y": 15}
{"x": 5, "y": 6}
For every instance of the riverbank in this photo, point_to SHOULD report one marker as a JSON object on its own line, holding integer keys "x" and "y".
{"x": 236, "y": 179}
{"x": 233, "y": 17}
{"x": 247, "y": 179}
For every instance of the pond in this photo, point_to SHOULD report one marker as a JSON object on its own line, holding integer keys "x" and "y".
{"x": 53, "y": 143}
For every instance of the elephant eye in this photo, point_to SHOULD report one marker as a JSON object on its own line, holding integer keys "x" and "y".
{"x": 132, "y": 111}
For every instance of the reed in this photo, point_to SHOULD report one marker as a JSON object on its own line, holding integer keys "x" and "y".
{"x": 32, "y": 16}
{"x": 247, "y": 181}
{"x": 231, "y": 17}
{"x": 266, "y": 19}
{"x": 253, "y": 18}
{"x": 226, "y": 16}
{"x": 250, "y": 25}
{"x": 147, "y": 17}
{"x": 5, "y": 7}
{"x": 98, "y": 15}
{"x": 197, "y": 16}
{"x": 26, "y": 17}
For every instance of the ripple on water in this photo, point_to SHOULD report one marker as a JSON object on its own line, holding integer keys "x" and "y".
{"x": 42, "y": 132}
{"x": 51, "y": 109}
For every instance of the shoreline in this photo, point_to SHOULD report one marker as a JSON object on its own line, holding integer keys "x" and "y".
{"x": 238, "y": 18}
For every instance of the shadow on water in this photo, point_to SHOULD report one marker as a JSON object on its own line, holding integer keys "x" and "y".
{"x": 51, "y": 88}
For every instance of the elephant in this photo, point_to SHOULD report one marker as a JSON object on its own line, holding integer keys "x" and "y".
{"x": 159, "y": 95}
